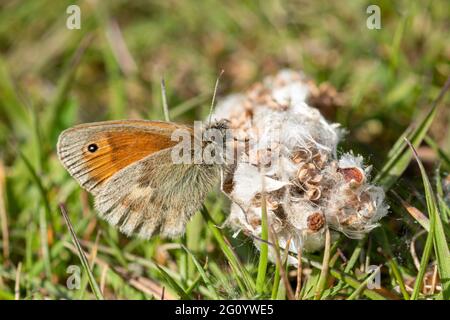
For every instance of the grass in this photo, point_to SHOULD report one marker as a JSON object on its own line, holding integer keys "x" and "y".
{"x": 392, "y": 82}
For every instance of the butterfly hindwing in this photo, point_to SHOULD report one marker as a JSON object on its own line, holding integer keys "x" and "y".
{"x": 155, "y": 196}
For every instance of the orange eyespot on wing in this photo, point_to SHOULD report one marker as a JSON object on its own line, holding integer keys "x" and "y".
{"x": 94, "y": 153}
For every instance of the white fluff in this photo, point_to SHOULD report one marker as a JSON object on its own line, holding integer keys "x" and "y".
{"x": 305, "y": 177}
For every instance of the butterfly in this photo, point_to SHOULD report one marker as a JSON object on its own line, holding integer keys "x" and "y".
{"x": 127, "y": 166}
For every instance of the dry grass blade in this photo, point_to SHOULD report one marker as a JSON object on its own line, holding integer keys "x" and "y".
{"x": 299, "y": 273}
{"x": 414, "y": 212}
{"x": 145, "y": 285}
{"x": 413, "y": 248}
{"x": 287, "y": 285}
{"x": 17, "y": 283}
{"x": 3, "y": 214}
{"x": 120, "y": 49}
{"x": 103, "y": 276}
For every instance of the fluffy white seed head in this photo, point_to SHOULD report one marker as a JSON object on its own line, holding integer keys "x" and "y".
{"x": 290, "y": 156}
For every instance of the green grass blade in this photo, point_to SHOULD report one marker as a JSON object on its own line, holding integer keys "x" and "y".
{"x": 325, "y": 266}
{"x": 443, "y": 206}
{"x": 264, "y": 250}
{"x": 442, "y": 155}
{"x": 238, "y": 268}
{"x": 363, "y": 285}
{"x": 10, "y": 104}
{"x": 436, "y": 236}
{"x": 202, "y": 273}
{"x": 173, "y": 284}
{"x": 55, "y": 109}
{"x": 43, "y": 214}
{"x": 340, "y": 275}
{"x": 94, "y": 286}
{"x": 399, "y": 160}
{"x": 276, "y": 282}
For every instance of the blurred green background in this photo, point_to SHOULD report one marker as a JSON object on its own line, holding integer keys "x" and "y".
{"x": 52, "y": 78}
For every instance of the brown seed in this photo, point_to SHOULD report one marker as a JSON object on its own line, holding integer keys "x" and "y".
{"x": 352, "y": 174}
{"x": 257, "y": 199}
{"x": 306, "y": 172}
{"x": 319, "y": 160}
{"x": 346, "y": 218}
{"x": 314, "y": 194}
{"x": 272, "y": 204}
{"x": 315, "y": 180}
{"x": 316, "y": 221}
{"x": 254, "y": 221}
{"x": 301, "y": 155}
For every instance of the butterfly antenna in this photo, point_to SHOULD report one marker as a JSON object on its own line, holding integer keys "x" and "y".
{"x": 214, "y": 95}
{"x": 164, "y": 100}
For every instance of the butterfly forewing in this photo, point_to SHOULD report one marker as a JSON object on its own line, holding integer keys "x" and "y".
{"x": 93, "y": 153}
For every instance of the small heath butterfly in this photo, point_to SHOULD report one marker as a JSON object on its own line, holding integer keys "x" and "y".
{"x": 127, "y": 166}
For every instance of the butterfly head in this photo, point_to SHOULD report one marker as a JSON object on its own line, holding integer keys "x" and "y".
{"x": 221, "y": 125}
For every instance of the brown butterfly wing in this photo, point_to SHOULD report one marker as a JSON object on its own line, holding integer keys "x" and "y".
{"x": 155, "y": 196}
{"x": 131, "y": 174}
{"x": 93, "y": 153}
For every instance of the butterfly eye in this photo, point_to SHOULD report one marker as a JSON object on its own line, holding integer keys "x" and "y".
{"x": 92, "y": 148}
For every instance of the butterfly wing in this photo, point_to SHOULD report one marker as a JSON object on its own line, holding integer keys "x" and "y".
{"x": 127, "y": 166}
{"x": 93, "y": 153}
{"x": 155, "y": 196}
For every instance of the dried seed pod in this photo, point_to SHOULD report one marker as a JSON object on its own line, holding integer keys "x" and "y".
{"x": 272, "y": 204}
{"x": 255, "y": 91}
{"x": 315, "y": 180}
{"x": 271, "y": 103}
{"x": 364, "y": 197}
{"x": 312, "y": 188}
{"x": 354, "y": 176}
{"x": 325, "y": 98}
{"x": 306, "y": 172}
{"x": 248, "y": 106}
{"x": 319, "y": 159}
{"x": 276, "y": 224}
{"x": 346, "y": 219}
{"x": 256, "y": 201}
{"x": 254, "y": 221}
{"x": 301, "y": 155}
{"x": 264, "y": 157}
{"x": 351, "y": 200}
{"x": 313, "y": 194}
{"x": 316, "y": 221}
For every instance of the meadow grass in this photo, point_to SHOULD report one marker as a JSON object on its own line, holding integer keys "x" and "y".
{"x": 392, "y": 82}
